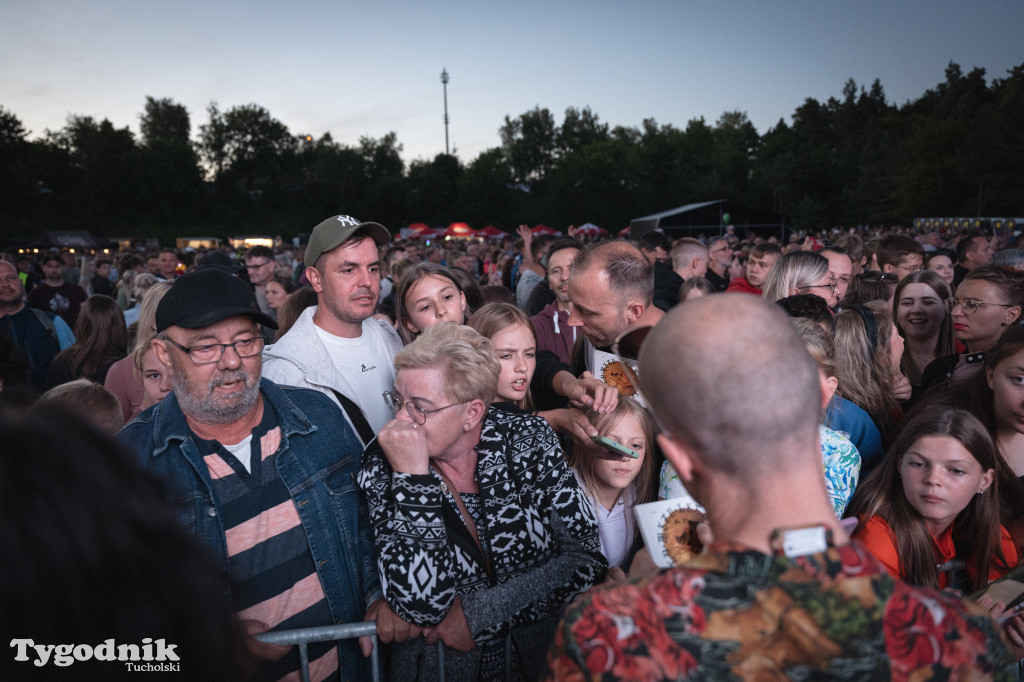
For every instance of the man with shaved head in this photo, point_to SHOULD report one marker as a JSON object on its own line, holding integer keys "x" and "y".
{"x": 782, "y": 592}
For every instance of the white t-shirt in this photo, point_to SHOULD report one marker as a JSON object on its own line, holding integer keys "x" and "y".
{"x": 361, "y": 366}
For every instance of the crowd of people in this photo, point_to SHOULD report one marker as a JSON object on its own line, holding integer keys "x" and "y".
{"x": 451, "y": 441}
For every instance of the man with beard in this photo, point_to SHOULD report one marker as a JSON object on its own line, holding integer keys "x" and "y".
{"x": 264, "y": 475}
{"x": 720, "y": 258}
{"x": 336, "y": 347}
{"x": 55, "y": 294}
{"x": 552, "y": 322}
{"x": 38, "y": 334}
{"x": 612, "y": 291}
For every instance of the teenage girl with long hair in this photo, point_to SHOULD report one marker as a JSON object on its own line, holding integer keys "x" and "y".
{"x": 936, "y": 498}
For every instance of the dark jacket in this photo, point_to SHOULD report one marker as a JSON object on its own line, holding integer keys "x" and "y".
{"x": 666, "y": 285}
{"x": 317, "y": 460}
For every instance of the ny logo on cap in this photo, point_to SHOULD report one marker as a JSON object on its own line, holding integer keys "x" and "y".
{"x": 348, "y": 220}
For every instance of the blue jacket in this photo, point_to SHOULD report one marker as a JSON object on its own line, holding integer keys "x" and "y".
{"x": 318, "y": 460}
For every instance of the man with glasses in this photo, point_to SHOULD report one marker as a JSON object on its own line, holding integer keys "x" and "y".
{"x": 782, "y": 592}
{"x": 259, "y": 263}
{"x": 899, "y": 255}
{"x": 263, "y": 474}
{"x": 840, "y": 267}
{"x": 720, "y": 258}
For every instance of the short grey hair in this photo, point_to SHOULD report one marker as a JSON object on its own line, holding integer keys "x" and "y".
{"x": 470, "y": 365}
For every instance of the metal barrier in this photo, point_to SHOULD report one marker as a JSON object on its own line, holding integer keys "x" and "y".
{"x": 326, "y": 633}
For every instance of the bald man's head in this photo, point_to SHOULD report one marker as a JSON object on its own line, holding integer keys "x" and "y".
{"x": 730, "y": 379}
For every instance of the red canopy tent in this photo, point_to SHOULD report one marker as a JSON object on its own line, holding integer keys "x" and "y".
{"x": 590, "y": 230}
{"x": 460, "y": 230}
{"x": 624, "y": 232}
{"x": 491, "y": 232}
{"x": 543, "y": 229}
{"x": 417, "y": 231}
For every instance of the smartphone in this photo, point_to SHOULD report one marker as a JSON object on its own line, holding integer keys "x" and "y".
{"x": 1009, "y": 589}
{"x": 617, "y": 448}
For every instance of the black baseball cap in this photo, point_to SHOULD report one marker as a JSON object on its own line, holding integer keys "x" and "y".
{"x": 206, "y": 296}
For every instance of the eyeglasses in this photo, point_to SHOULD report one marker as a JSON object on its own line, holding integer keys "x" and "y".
{"x": 257, "y": 266}
{"x": 831, "y": 285}
{"x": 209, "y": 353}
{"x": 417, "y": 413}
{"x": 971, "y": 305}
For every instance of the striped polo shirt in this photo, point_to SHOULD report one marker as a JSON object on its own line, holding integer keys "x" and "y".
{"x": 274, "y": 579}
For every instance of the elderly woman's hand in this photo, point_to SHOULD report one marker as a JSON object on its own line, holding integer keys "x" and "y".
{"x": 453, "y": 630}
{"x": 405, "y": 446}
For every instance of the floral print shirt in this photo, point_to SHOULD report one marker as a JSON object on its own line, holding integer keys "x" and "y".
{"x": 739, "y": 614}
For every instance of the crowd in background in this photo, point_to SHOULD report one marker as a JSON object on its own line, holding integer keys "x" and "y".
{"x": 916, "y": 336}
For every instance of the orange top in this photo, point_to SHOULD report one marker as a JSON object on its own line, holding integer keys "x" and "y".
{"x": 878, "y": 538}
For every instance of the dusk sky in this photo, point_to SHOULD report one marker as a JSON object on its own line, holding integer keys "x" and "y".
{"x": 364, "y": 69}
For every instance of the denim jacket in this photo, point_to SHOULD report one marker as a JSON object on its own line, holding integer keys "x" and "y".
{"x": 318, "y": 460}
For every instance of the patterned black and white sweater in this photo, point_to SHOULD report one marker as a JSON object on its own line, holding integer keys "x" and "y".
{"x": 539, "y": 531}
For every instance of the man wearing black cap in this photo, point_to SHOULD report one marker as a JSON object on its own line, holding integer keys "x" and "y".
{"x": 336, "y": 347}
{"x": 264, "y": 474}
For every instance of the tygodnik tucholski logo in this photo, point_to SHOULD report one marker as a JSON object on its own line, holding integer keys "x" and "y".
{"x": 149, "y": 656}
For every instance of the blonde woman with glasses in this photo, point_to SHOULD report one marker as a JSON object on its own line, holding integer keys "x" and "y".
{"x": 800, "y": 272}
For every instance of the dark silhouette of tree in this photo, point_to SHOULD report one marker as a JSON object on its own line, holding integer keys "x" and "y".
{"x": 246, "y": 150}
{"x": 530, "y": 142}
{"x": 957, "y": 150}
{"x": 169, "y": 163}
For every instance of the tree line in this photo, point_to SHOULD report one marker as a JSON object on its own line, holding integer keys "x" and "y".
{"x": 958, "y": 150}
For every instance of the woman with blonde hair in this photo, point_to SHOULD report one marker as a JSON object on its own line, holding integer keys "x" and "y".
{"x": 482, "y": 533}
{"x": 868, "y": 350}
{"x": 124, "y": 380}
{"x": 156, "y": 376}
{"x": 800, "y": 272}
{"x": 514, "y": 339}
{"x": 841, "y": 457}
{"x": 615, "y": 483}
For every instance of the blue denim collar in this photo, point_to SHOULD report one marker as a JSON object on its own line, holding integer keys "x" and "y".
{"x": 170, "y": 425}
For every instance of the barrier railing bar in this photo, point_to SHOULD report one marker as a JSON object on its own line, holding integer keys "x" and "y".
{"x": 325, "y": 633}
